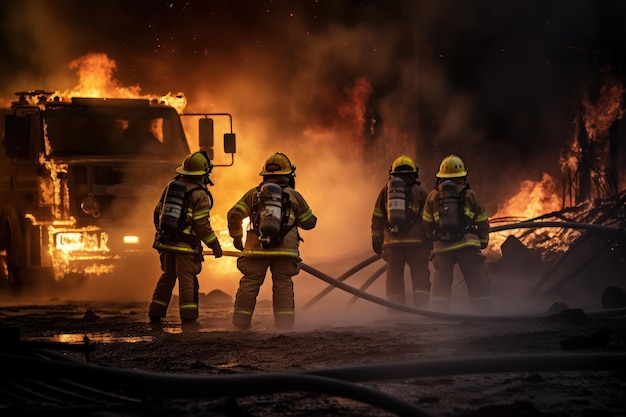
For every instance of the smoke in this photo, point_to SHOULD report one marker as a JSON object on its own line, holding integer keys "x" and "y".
{"x": 341, "y": 87}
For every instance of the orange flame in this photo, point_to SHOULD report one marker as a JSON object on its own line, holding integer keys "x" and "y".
{"x": 599, "y": 117}
{"x": 55, "y": 191}
{"x": 534, "y": 199}
{"x": 95, "y": 73}
{"x": 349, "y": 122}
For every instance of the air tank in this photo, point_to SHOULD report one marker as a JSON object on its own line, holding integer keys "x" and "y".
{"x": 396, "y": 203}
{"x": 270, "y": 210}
{"x": 449, "y": 212}
{"x": 172, "y": 211}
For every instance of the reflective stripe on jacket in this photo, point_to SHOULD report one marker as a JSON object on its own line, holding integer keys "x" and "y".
{"x": 477, "y": 231}
{"x": 300, "y": 216}
{"x": 198, "y": 226}
{"x": 381, "y": 228}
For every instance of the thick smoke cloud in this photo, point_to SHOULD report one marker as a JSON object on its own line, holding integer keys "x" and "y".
{"x": 345, "y": 87}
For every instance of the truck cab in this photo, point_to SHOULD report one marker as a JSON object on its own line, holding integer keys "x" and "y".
{"x": 79, "y": 179}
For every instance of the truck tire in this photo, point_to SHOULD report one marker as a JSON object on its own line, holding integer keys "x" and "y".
{"x": 9, "y": 264}
{"x": 12, "y": 245}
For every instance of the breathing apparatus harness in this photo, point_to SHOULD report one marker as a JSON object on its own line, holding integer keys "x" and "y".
{"x": 170, "y": 218}
{"x": 452, "y": 224}
{"x": 270, "y": 213}
{"x": 400, "y": 217}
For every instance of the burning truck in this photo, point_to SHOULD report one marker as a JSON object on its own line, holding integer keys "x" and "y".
{"x": 78, "y": 177}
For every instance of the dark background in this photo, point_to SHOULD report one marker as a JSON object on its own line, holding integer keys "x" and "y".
{"x": 498, "y": 82}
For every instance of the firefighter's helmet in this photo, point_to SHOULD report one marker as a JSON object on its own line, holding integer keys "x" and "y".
{"x": 403, "y": 165}
{"x": 278, "y": 164}
{"x": 452, "y": 166}
{"x": 196, "y": 164}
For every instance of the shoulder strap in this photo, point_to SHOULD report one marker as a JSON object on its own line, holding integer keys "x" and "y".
{"x": 188, "y": 193}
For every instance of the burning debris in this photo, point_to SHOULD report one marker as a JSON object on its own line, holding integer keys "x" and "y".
{"x": 558, "y": 256}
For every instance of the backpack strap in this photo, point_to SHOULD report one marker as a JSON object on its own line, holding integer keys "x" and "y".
{"x": 284, "y": 224}
{"x": 463, "y": 221}
{"x": 192, "y": 240}
{"x": 254, "y": 214}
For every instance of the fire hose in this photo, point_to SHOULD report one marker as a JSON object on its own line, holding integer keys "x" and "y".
{"x": 343, "y": 277}
{"x": 194, "y": 386}
{"x": 334, "y": 381}
{"x": 334, "y": 282}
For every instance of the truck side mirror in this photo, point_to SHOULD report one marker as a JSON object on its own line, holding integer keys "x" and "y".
{"x": 230, "y": 144}
{"x": 205, "y": 136}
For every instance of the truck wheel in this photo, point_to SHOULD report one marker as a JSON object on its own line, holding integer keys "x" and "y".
{"x": 4, "y": 273}
{"x": 10, "y": 272}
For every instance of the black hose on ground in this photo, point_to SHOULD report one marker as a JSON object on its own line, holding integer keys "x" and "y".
{"x": 440, "y": 315}
{"x": 368, "y": 282}
{"x": 438, "y": 367}
{"x": 342, "y": 277}
{"x": 334, "y": 381}
{"x": 402, "y": 307}
{"x": 196, "y": 386}
{"x": 428, "y": 313}
{"x": 567, "y": 225}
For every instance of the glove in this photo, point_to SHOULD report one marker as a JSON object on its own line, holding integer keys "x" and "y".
{"x": 377, "y": 246}
{"x": 217, "y": 249}
{"x": 483, "y": 245}
{"x": 238, "y": 243}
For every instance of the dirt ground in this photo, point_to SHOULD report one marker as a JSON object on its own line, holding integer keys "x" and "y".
{"x": 328, "y": 337}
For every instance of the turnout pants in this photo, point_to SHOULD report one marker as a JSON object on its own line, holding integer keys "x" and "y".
{"x": 416, "y": 257}
{"x": 186, "y": 268}
{"x": 472, "y": 264}
{"x": 254, "y": 270}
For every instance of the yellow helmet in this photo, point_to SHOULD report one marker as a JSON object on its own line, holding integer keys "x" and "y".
{"x": 403, "y": 165}
{"x": 452, "y": 167}
{"x": 196, "y": 164}
{"x": 277, "y": 164}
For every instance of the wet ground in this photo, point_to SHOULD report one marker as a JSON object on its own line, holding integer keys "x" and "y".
{"x": 360, "y": 347}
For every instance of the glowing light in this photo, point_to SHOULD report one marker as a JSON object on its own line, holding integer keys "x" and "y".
{"x": 130, "y": 240}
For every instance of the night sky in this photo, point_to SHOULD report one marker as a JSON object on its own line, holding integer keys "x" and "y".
{"x": 497, "y": 82}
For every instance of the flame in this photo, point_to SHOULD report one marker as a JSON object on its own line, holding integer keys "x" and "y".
{"x": 95, "y": 79}
{"x": 534, "y": 199}
{"x": 68, "y": 244}
{"x": 597, "y": 119}
{"x": 54, "y": 190}
{"x": 348, "y": 121}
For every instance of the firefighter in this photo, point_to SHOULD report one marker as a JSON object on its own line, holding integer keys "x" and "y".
{"x": 459, "y": 227}
{"x": 182, "y": 221}
{"x": 398, "y": 234}
{"x": 276, "y": 211}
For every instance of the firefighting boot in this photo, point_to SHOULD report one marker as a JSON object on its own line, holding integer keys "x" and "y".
{"x": 242, "y": 321}
{"x": 283, "y": 321}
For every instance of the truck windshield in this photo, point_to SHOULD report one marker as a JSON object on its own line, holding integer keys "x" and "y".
{"x": 115, "y": 130}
